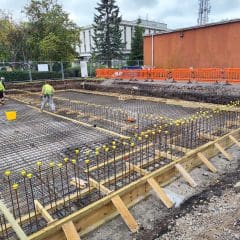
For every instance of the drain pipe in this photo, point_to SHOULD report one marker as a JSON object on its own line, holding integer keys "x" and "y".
{"x": 17, "y": 229}
{"x": 152, "y": 50}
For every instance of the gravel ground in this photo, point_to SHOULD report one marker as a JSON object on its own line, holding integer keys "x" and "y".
{"x": 212, "y": 208}
{"x": 215, "y": 219}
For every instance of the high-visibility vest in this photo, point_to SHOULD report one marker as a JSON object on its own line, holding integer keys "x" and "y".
{"x": 2, "y": 88}
{"x": 47, "y": 89}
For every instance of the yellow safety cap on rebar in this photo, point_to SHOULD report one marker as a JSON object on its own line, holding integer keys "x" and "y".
{"x": 87, "y": 161}
{"x": 114, "y": 147}
{"x": 132, "y": 144}
{"x": 139, "y": 138}
{"x": 29, "y": 175}
{"x": 23, "y": 173}
{"x": 66, "y": 160}
{"x": 146, "y": 136}
{"x": 60, "y": 165}
{"x": 96, "y": 153}
{"x": 106, "y": 149}
{"x": 77, "y": 151}
{"x": 7, "y": 173}
{"x": 39, "y": 163}
{"x": 74, "y": 161}
{"x": 113, "y": 143}
{"x": 87, "y": 152}
{"x": 15, "y": 186}
{"x": 51, "y": 164}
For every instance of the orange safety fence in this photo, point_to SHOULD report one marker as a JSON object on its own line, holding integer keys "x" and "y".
{"x": 211, "y": 75}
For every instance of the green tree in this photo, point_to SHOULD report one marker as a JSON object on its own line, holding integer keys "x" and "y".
{"x": 51, "y": 34}
{"x": 107, "y": 33}
{"x": 137, "y": 45}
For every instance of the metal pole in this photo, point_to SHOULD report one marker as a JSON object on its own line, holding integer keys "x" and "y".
{"x": 152, "y": 50}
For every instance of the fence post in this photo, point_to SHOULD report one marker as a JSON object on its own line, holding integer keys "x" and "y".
{"x": 29, "y": 72}
{"x": 62, "y": 71}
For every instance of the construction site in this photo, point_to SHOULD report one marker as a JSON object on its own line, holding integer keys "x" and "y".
{"x": 67, "y": 173}
{"x": 150, "y": 153}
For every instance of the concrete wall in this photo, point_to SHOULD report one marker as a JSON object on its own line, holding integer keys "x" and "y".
{"x": 212, "y": 46}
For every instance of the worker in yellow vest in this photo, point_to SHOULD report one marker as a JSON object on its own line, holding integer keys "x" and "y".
{"x": 2, "y": 90}
{"x": 47, "y": 96}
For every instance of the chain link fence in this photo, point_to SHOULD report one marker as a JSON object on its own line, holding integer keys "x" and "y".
{"x": 30, "y": 71}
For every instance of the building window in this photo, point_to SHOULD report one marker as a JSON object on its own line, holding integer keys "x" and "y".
{"x": 149, "y": 31}
{"x": 125, "y": 37}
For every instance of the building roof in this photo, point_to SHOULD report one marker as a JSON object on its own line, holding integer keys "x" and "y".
{"x": 144, "y": 23}
{"x": 198, "y": 27}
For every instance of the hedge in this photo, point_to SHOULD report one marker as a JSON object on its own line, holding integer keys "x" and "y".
{"x": 24, "y": 75}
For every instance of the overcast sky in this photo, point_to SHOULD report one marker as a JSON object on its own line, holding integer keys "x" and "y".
{"x": 176, "y": 13}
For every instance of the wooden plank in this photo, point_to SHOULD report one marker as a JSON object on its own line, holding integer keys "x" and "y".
{"x": 70, "y": 231}
{"x": 207, "y": 162}
{"x": 98, "y": 185}
{"x": 166, "y": 155}
{"x": 9, "y": 217}
{"x": 207, "y": 136}
{"x": 137, "y": 169}
{"x": 68, "y": 228}
{"x": 125, "y": 214}
{"x": 234, "y": 140}
{"x": 160, "y": 193}
{"x": 40, "y": 209}
{"x": 226, "y": 154}
{"x": 185, "y": 175}
{"x": 179, "y": 148}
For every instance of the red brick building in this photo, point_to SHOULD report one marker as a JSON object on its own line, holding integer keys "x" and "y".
{"x": 211, "y": 45}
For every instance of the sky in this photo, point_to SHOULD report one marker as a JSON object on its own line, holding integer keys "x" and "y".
{"x": 175, "y": 13}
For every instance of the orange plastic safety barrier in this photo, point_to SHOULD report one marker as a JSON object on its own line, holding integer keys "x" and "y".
{"x": 208, "y": 75}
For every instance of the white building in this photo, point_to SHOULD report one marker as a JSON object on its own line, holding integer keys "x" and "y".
{"x": 127, "y": 28}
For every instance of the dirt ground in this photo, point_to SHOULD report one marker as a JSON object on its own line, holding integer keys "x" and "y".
{"x": 211, "y": 211}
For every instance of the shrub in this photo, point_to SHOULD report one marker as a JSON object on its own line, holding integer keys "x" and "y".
{"x": 17, "y": 75}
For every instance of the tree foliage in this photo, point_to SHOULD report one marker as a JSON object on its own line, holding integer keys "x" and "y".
{"x": 51, "y": 34}
{"x": 107, "y": 34}
{"x": 137, "y": 44}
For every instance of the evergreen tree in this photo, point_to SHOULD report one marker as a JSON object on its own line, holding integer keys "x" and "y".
{"x": 137, "y": 45}
{"x": 107, "y": 33}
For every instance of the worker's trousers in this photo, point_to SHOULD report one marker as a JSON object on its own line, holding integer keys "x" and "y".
{"x": 48, "y": 99}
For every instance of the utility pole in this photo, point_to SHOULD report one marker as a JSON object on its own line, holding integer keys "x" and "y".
{"x": 203, "y": 12}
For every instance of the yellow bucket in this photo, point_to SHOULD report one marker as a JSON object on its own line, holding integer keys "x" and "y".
{"x": 11, "y": 115}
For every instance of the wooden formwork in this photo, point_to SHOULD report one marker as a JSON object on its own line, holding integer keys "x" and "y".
{"x": 119, "y": 202}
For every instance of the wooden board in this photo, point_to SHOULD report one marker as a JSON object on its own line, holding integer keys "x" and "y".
{"x": 226, "y": 154}
{"x": 207, "y": 136}
{"x": 98, "y": 185}
{"x": 125, "y": 214}
{"x": 160, "y": 193}
{"x": 70, "y": 231}
{"x": 185, "y": 175}
{"x": 207, "y": 162}
{"x": 234, "y": 140}
{"x": 40, "y": 209}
